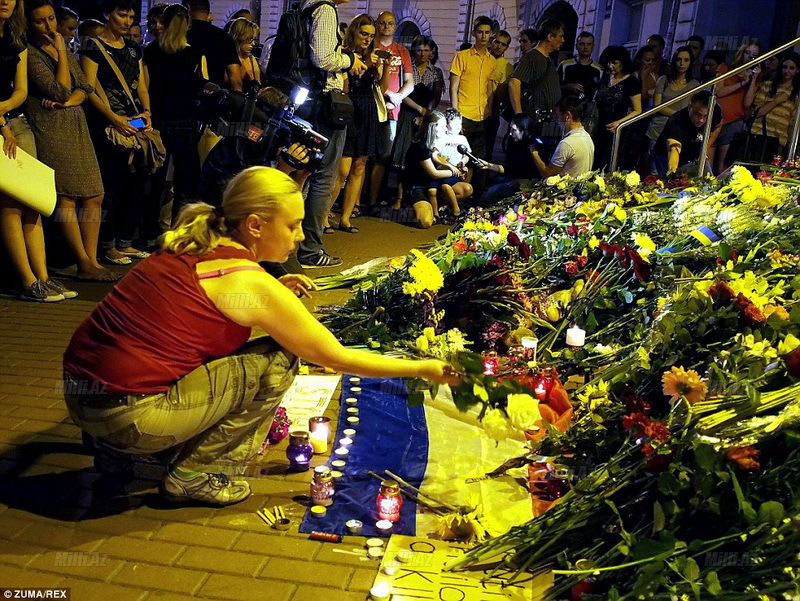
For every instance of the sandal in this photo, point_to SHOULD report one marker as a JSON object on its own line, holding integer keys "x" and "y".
{"x": 139, "y": 254}
{"x": 350, "y": 229}
{"x": 328, "y": 229}
{"x": 112, "y": 261}
{"x": 356, "y": 213}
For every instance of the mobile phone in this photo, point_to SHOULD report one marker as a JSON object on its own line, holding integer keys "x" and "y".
{"x": 383, "y": 54}
{"x": 137, "y": 123}
{"x": 539, "y": 141}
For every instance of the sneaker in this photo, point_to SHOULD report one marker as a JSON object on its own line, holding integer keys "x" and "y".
{"x": 39, "y": 292}
{"x": 59, "y": 288}
{"x": 214, "y": 489}
{"x": 323, "y": 259}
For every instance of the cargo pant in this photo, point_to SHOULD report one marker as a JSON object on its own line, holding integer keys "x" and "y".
{"x": 221, "y": 411}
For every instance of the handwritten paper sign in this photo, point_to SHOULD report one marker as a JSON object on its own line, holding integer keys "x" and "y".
{"x": 307, "y": 397}
{"x": 412, "y": 567}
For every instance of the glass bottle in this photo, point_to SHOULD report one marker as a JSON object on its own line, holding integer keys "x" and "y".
{"x": 322, "y": 486}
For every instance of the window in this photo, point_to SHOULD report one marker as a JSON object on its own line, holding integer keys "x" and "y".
{"x": 406, "y": 33}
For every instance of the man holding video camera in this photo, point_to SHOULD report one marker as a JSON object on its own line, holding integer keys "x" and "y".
{"x": 321, "y": 111}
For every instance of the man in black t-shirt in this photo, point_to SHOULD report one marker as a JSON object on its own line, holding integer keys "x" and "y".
{"x": 534, "y": 85}
{"x": 216, "y": 45}
{"x": 682, "y": 139}
{"x": 581, "y": 75}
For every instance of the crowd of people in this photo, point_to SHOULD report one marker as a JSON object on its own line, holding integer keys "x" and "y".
{"x": 125, "y": 96}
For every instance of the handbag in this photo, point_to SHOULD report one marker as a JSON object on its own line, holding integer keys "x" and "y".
{"x": 129, "y": 144}
{"x": 337, "y": 109}
{"x": 748, "y": 147}
{"x": 383, "y": 112}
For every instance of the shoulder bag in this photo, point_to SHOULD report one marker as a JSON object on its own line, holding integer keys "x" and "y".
{"x": 748, "y": 147}
{"x": 131, "y": 144}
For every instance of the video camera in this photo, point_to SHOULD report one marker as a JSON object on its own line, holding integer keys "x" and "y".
{"x": 267, "y": 120}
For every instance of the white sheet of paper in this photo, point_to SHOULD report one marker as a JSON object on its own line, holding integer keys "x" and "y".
{"x": 28, "y": 181}
{"x": 307, "y": 397}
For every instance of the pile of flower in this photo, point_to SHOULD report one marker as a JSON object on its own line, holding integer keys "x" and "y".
{"x": 684, "y": 444}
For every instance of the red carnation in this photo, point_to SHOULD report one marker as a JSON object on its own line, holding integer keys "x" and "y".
{"x": 639, "y": 420}
{"x": 745, "y": 458}
{"x": 657, "y": 431}
{"x": 581, "y": 260}
{"x": 753, "y": 315}
{"x": 571, "y": 268}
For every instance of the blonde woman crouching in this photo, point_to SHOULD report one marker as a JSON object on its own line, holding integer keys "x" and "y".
{"x": 164, "y": 361}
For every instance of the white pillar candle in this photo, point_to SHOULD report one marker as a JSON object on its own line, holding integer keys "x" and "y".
{"x": 576, "y": 336}
{"x": 345, "y": 442}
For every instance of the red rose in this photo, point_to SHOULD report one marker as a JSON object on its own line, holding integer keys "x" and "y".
{"x": 793, "y": 362}
{"x": 722, "y": 292}
{"x": 513, "y": 239}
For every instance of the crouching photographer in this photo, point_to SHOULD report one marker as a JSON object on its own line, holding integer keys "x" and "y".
{"x": 257, "y": 130}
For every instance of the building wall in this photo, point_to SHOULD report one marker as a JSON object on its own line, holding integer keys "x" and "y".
{"x": 720, "y": 22}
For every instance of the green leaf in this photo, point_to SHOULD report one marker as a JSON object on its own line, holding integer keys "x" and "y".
{"x": 706, "y": 457}
{"x": 771, "y": 512}
{"x": 648, "y": 548}
{"x": 691, "y": 570}
{"x": 712, "y": 584}
{"x": 725, "y": 252}
{"x": 658, "y": 517}
{"x": 668, "y": 484}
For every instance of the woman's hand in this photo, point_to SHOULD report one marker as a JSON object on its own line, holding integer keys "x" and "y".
{"x": 148, "y": 124}
{"x": 122, "y": 126}
{"x": 58, "y": 42}
{"x": 439, "y": 372}
{"x": 9, "y": 142}
{"x": 753, "y": 73}
{"x": 51, "y": 105}
{"x": 612, "y": 127}
{"x": 298, "y": 283}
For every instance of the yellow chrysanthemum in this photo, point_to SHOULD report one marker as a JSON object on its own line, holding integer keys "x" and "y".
{"x": 686, "y": 383}
{"x": 644, "y": 244}
{"x": 426, "y": 276}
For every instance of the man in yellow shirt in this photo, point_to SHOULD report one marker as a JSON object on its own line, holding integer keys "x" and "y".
{"x": 498, "y": 47}
{"x": 473, "y": 79}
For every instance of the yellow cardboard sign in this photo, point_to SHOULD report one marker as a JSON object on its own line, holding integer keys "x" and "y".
{"x": 412, "y": 567}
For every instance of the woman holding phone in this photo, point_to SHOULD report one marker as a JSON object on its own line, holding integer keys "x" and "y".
{"x": 362, "y": 138}
{"x": 57, "y": 89}
{"x": 126, "y": 185}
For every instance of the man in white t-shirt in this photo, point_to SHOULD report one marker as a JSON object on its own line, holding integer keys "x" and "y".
{"x": 575, "y": 152}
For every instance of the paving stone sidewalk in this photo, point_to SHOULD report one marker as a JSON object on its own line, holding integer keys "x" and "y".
{"x": 62, "y": 526}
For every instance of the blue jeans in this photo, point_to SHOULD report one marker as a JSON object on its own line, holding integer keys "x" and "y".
{"x": 318, "y": 195}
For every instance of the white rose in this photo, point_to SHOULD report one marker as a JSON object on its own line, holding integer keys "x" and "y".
{"x": 523, "y": 411}
{"x": 552, "y": 180}
{"x": 496, "y": 425}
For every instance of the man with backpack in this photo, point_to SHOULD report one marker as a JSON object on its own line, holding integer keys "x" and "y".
{"x": 314, "y": 58}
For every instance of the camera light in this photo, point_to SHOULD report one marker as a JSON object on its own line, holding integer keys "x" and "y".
{"x": 300, "y": 95}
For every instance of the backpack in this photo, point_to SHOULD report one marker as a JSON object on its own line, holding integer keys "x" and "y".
{"x": 290, "y": 60}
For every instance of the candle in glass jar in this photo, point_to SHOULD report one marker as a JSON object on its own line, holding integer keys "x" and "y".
{"x": 530, "y": 345}
{"x": 319, "y": 431}
{"x": 576, "y": 336}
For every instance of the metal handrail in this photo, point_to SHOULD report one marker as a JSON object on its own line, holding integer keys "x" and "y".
{"x": 712, "y": 101}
